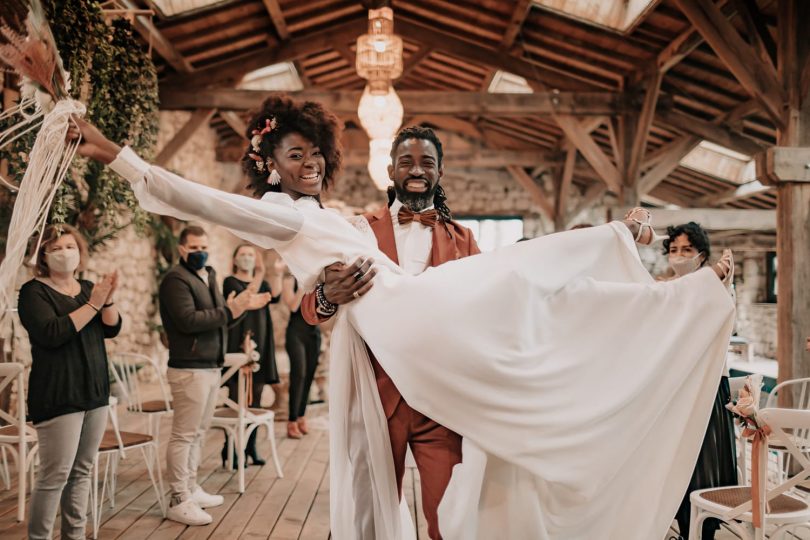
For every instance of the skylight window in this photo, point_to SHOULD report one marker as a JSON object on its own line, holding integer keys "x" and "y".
{"x": 281, "y": 77}
{"x": 508, "y": 83}
{"x": 721, "y": 162}
{"x": 613, "y": 14}
{"x": 171, "y": 8}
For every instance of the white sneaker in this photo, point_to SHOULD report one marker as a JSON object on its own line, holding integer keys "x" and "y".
{"x": 206, "y": 500}
{"x": 189, "y": 513}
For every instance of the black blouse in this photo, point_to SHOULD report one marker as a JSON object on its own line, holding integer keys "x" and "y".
{"x": 69, "y": 370}
{"x": 260, "y": 323}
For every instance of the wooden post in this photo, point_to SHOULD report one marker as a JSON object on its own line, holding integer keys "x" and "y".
{"x": 788, "y": 167}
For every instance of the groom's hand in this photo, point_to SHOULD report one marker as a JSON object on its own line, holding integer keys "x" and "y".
{"x": 344, "y": 283}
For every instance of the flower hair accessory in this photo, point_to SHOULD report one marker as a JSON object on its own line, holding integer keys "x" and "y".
{"x": 259, "y": 161}
{"x": 269, "y": 125}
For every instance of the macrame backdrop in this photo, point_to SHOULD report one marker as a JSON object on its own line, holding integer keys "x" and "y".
{"x": 113, "y": 75}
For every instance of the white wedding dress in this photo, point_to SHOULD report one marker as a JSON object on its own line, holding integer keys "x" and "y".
{"x": 582, "y": 388}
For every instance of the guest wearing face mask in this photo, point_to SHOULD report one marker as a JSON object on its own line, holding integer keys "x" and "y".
{"x": 67, "y": 320}
{"x": 196, "y": 317}
{"x": 248, "y": 273}
{"x": 687, "y": 248}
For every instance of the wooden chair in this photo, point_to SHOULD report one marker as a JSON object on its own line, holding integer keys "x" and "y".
{"x": 17, "y": 435}
{"x": 113, "y": 445}
{"x": 733, "y": 505}
{"x": 239, "y": 421}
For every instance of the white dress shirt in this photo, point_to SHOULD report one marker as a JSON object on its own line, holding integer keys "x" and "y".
{"x": 414, "y": 242}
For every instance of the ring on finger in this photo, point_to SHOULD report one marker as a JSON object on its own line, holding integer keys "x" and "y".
{"x": 359, "y": 275}
{"x": 356, "y": 294}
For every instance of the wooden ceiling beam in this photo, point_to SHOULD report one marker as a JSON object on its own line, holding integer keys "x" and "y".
{"x": 519, "y": 14}
{"x": 198, "y": 118}
{"x": 638, "y": 144}
{"x": 538, "y": 196}
{"x": 235, "y": 122}
{"x": 232, "y": 70}
{"x": 594, "y": 155}
{"x": 713, "y": 132}
{"x": 451, "y": 44}
{"x": 274, "y": 10}
{"x": 757, "y": 77}
{"x": 669, "y": 159}
{"x": 740, "y": 193}
{"x": 683, "y": 45}
{"x": 415, "y": 102}
{"x": 146, "y": 28}
{"x": 564, "y": 189}
{"x": 414, "y": 60}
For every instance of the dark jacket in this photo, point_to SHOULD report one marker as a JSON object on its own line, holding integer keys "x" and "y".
{"x": 195, "y": 318}
{"x": 69, "y": 369}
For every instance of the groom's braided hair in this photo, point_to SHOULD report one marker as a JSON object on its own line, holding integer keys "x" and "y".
{"x": 309, "y": 119}
{"x": 426, "y": 134}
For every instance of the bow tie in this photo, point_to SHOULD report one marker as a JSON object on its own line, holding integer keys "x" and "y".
{"x": 427, "y": 218}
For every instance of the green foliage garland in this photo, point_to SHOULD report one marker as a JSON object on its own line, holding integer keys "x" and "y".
{"x": 113, "y": 75}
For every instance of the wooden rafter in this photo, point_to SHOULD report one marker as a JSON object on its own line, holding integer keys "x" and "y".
{"x": 538, "y": 196}
{"x": 668, "y": 162}
{"x": 592, "y": 194}
{"x": 590, "y": 151}
{"x": 476, "y": 54}
{"x": 164, "y": 47}
{"x": 519, "y": 14}
{"x": 414, "y": 60}
{"x": 740, "y": 193}
{"x": 757, "y": 77}
{"x": 757, "y": 31}
{"x": 564, "y": 189}
{"x": 713, "y": 132}
{"x": 415, "y": 102}
{"x": 480, "y": 157}
{"x": 683, "y": 45}
{"x": 641, "y": 130}
{"x": 198, "y": 118}
{"x": 234, "y": 121}
{"x": 274, "y": 10}
{"x": 235, "y": 68}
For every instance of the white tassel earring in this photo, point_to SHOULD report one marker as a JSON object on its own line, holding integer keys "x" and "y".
{"x": 274, "y": 179}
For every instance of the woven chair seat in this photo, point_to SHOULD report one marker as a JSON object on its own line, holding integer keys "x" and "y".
{"x": 733, "y": 497}
{"x": 154, "y": 406}
{"x": 110, "y": 442}
{"x": 227, "y": 412}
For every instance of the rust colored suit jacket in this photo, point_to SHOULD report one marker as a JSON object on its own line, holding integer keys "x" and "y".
{"x": 451, "y": 241}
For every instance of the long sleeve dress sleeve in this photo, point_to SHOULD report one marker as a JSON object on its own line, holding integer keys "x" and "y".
{"x": 264, "y": 223}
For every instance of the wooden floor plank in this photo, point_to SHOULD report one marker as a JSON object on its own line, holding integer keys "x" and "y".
{"x": 295, "y": 513}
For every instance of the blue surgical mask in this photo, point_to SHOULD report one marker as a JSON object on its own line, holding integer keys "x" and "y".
{"x": 197, "y": 259}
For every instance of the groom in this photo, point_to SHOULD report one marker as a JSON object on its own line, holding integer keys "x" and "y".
{"x": 415, "y": 230}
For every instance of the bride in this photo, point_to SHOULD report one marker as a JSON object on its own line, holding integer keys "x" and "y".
{"x": 581, "y": 386}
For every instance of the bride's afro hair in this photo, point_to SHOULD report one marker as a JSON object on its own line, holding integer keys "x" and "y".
{"x": 279, "y": 116}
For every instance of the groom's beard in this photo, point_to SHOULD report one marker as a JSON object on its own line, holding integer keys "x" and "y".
{"x": 416, "y": 202}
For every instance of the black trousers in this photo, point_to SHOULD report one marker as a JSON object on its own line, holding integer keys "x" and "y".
{"x": 303, "y": 344}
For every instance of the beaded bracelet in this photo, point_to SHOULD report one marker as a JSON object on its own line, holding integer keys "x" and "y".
{"x": 325, "y": 306}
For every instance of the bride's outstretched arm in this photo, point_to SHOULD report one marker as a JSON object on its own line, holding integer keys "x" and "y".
{"x": 263, "y": 223}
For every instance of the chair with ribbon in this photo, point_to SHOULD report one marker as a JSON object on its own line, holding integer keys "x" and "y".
{"x": 748, "y": 509}
{"x": 792, "y": 394}
{"x": 236, "y": 418}
{"x": 17, "y": 437}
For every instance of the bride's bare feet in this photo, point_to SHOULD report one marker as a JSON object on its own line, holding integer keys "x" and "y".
{"x": 639, "y": 221}
{"x": 724, "y": 268}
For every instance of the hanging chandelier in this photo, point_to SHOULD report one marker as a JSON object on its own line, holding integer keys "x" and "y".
{"x": 379, "y": 52}
{"x": 379, "y": 61}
